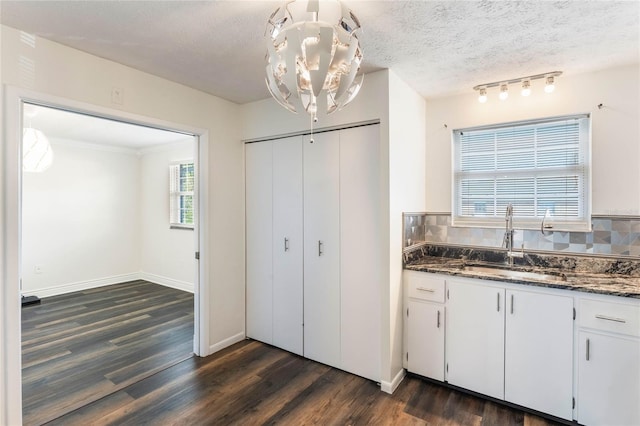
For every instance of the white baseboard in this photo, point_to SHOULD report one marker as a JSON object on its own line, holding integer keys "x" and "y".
{"x": 167, "y": 282}
{"x": 115, "y": 279}
{"x": 82, "y": 285}
{"x": 390, "y": 387}
{"x": 226, "y": 343}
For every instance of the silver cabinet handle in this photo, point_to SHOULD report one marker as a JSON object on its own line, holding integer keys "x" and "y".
{"x": 286, "y": 244}
{"x": 498, "y": 305}
{"x": 428, "y": 290}
{"x": 614, "y": 319}
{"x": 588, "y": 349}
{"x": 320, "y": 248}
{"x": 512, "y": 304}
{"x": 438, "y": 322}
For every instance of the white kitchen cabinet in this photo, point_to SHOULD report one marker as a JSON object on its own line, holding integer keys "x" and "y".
{"x": 516, "y": 343}
{"x": 608, "y": 380}
{"x": 425, "y": 348}
{"x": 425, "y": 323}
{"x": 475, "y": 337}
{"x": 287, "y": 244}
{"x": 322, "y": 248}
{"x": 259, "y": 237}
{"x": 361, "y": 251}
{"x": 608, "y": 359}
{"x": 538, "y": 357}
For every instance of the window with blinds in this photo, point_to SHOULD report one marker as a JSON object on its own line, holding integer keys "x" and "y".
{"x": 542, "y": 167}
{"x": 181, "y": 190}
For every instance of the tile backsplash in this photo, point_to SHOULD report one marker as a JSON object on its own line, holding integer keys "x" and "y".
{"x": 611, "y": 235}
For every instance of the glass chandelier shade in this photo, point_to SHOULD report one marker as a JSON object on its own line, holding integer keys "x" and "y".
{"x": 37, "y": 155}
{"x": 313, "y": 56}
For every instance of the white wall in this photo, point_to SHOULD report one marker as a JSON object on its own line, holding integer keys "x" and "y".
{"x": 100, "y": 216}
{"x": 166, "y": 255}
{"x": 56, "y": 70}
{"x": 406, "y": 186}
{"x": 615, "y": 132}
{"x": 80, "y": 220}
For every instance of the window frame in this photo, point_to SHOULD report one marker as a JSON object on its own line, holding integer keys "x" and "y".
{"x": 582, "y": 223}
{"x": 175, "y": 194}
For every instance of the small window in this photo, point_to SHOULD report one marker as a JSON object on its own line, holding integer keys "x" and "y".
{"x": 542, "y": 167}
{"x": 181, "y": 186}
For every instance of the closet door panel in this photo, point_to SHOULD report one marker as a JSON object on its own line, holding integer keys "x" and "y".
{"x": 322, "y": 248}
{"x": 259, "y": 237}
{"x": 361, "y": 243}
{"x": 287, "y": 244}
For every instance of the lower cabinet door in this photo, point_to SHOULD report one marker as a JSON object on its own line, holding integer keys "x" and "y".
{"x": 608, "y": 380}
{"x": 475, "y": 337}
{"x": 425, "y": 346}
{"x": 539, "y": 352}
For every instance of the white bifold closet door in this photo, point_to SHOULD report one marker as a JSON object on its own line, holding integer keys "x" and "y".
{"x": 322, "y": 248}
{"x": 361, "y": 230}
{"x": 315, "y": 237}
{"x": 259, "y": 238}
{"x": 287, "y": 244}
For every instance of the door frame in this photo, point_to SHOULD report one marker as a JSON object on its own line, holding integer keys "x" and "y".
{"x": 11, "y": 229}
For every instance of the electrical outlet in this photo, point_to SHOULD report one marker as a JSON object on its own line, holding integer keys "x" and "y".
{"x": 117, "y": 95}
{"x": 37, "y": 269}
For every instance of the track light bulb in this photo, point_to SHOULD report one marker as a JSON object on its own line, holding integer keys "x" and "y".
{"x": 550, "y": 85}
{"x": 504, "y": 91}
{"x": 526, "y": 88}
{"x": 483, "y": 96}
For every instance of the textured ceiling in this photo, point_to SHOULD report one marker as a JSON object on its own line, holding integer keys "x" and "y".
{"x": 58, "y": 124}
{"x": 437, "y": 47}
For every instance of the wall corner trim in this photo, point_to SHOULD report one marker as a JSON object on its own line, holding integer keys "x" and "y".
{"x": 390, "y": 387}
{"x": 226, "y": 343}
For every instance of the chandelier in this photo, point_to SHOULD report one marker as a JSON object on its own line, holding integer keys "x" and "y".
{"x": 313, "y": 56}
{"x": 37, "y": 154}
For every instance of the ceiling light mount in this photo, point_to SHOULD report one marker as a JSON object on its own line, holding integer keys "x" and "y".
{"x": 482, "y": 98}
{"x": 504, "y": 91}
{"x": 313, "y": 56}
{"x": 550, "y": 84}
{"x": 524, "y": 81}
{"x": 526, "y": 87}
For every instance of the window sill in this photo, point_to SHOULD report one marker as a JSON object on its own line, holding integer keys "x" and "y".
{"x": 524, "y": 225}
{"x": 186, "y": 227}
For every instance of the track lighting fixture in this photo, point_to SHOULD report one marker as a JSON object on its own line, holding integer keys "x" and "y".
{"x": 525, "y": 82}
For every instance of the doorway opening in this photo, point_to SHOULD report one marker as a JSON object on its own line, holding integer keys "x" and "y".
{"x": 18, "y": 264}
{"x": 102, "y": 251}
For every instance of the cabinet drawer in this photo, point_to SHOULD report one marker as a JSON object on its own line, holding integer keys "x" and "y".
{"x": 425, "y": 286}
{"x": 610, "y": 316}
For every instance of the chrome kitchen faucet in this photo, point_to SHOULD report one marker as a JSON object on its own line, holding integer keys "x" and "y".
{"x": 507, "y": 241}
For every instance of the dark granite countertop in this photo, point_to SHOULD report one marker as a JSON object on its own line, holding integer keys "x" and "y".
{"x": 590, "y": 275}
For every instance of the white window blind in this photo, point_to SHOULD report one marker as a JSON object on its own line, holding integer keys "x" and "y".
{"x": 542, "y": 167}
{"x": 181, "y": 190}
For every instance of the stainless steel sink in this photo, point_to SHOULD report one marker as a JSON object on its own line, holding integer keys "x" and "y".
{"x": 510, "y": 273}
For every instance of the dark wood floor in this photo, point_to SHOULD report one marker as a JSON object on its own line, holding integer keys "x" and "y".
{"x": 82, "y": 346}
{"x": 251, "y": 383}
